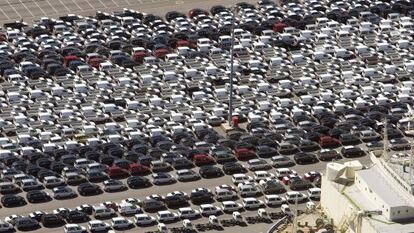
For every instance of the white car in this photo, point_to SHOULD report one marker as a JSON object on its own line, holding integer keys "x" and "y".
{"x": 248, "y": 189}
{"x": 187, "y": 175}
{"x": 286, "y": 209}
{"x": 225, "y": 186}
{"x": 162, "y": 178}
{"x": 6, "y": 227}
{"x": 230, "y": 206}
{"x": 132, "y": 200}
{"x": 258, "y": 164}
{"x": 177, "y": 193}
{"x": 128, "y": 209}
{"x": 74, "y": 228}
{"x": 314, "y": 193}
{"x": 113, "y": 185}
{"x": 274, "y": 200}
{"x": 262, "y": 175}
{"x": 53, "y": 181}
{"x": 240, "y": 178}
{"x": 209, "y": 209}
{"x": 102, "y": 211}
{"x": 63, "y": 192}
{"x": 97, "y": 225}
{"x": 225, "y": 194}
{"x": 30, "y": 184}
{"x": 166, "y": 216}
{"x": 121, "y": 223}
{"x": 12, "y": 218}
{"x": 188, "y": 213}
{"x": 252, "y": 203}
{"x": 294, "y": 196}
{"x": 144, "y": 220}
{"x": 162, "y": 228}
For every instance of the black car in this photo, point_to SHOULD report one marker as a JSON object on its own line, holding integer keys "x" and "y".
{"x": 85, "y": 208}
{"x": 307, "y": 146}
{"x": 233, "y": 168}
{"x": 305, "y": 157}
{"x": 175, "y": 201}
{"x": 201, "y": 196}
{"x": 26, "y": 223}
{"x": 300, "y": 184}
{"x": 87, "y": 189}
{"x": 11, "y": 200}
{"x": 182, "y": 163}
{"x": 273, "y": 187}
{"x": 210, "y": 171}
{"x": 352, "y": 151}
{"x": 136, "y": 182}
{"x": 96, "y": 176}
{"x": 265, "y": 151}
{"x": 151, "y": 205}
{"x": 49, "y": 220}
{"x": 36, "y": 196}
{"x": 222, "y": 155}
{"x": 75, "y": 216}
{"x": 37, "y": 215}
{"x": 328, "y": 155}
{"x": 349, "y": 139}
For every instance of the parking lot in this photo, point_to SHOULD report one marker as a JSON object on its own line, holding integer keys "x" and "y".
{"x": 126, "y": 99}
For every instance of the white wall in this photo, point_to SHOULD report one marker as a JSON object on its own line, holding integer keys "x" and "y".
{"x": 333, "y": 203}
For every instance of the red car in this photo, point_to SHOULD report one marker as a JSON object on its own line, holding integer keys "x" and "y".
{"x": 69, "y": 58}
{"x": 138, "y": 57}
{"x": 116, "y": 171}
{"x": 244, "y": 154}
{"x": 203, "y": 159}
{"x": 138, "y": 169}
{"x": 111, "y": 205}
{"x": 327, "y": 141}
{"x": 311, "y": 176}
{"x": 160, "y": 53}
{"x": 287, "y": 179}
{"x": 278, "y": 27}
{"x": 94, "y": 62}
{"x": 194, "y": 12}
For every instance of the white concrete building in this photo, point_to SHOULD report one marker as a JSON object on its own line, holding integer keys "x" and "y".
{"x": 368, "y": 200}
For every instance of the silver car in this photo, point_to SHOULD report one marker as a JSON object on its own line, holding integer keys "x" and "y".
{"x": 63, "y": 192}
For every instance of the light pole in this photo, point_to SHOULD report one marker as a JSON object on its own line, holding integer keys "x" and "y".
{"x": 232, "y": 66}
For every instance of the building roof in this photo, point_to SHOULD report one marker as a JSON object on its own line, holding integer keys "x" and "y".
{"x": 383, "y": 187}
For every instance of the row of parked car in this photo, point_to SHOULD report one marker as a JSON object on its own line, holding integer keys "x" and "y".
{"x": 202, "y": 198}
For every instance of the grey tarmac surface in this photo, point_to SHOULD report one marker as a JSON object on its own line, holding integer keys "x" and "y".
{"x": 11, "y": 10}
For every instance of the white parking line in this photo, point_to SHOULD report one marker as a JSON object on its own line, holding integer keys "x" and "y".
{"x": 25, "y": 7}
{"x": 51, "y": 6}
{"x": 77, "y": 5}
{"x": 17, "y": 12}
{"x": 115, "y": 3}
{"x": 44, "y": 13}
{"x": 64, "y": 5}
{"x": 103, "y": 4}
{"x": 89, "y": 3}
{"x": 4, "y": 13}
{"x": 129, "y": 3}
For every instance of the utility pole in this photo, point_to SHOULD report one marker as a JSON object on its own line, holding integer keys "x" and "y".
{"x": 295, "y": 215}
{"x": 385, "y": 152}
{"x": 232, "y": 66}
